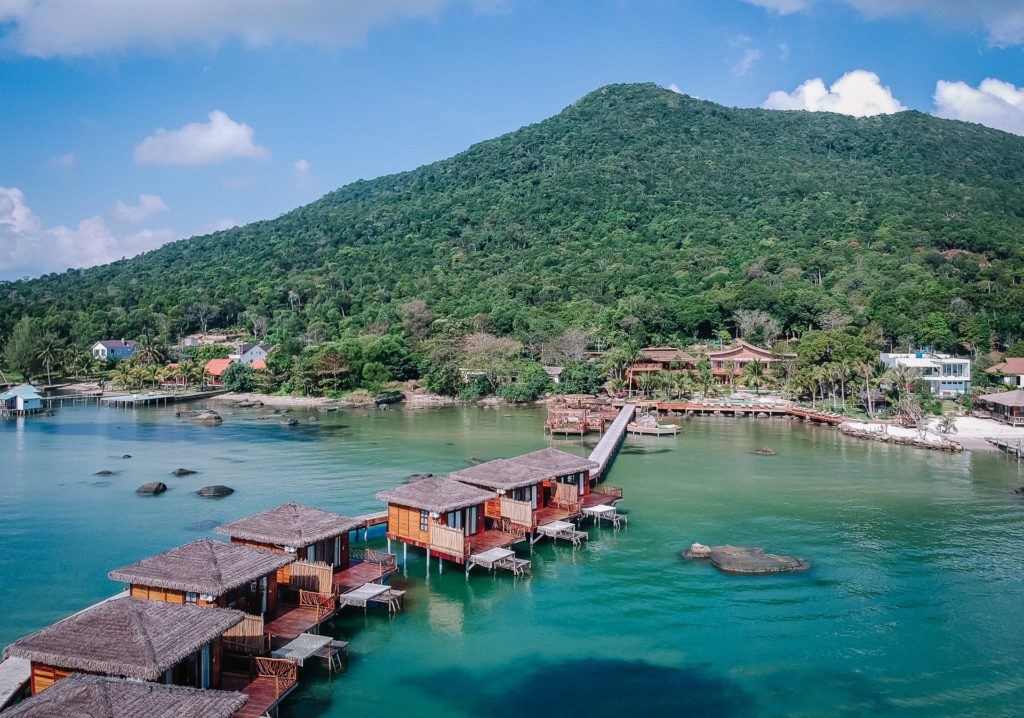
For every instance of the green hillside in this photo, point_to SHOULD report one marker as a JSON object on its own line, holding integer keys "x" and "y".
{"x": 635, "y": 212}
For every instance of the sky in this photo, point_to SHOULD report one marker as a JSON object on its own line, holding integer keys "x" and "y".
{"x": 124, "y": 126}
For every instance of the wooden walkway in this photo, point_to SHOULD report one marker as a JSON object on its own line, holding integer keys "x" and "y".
{"x": 724, "y": 409}
{"x": 1013, "y": 448}
{"x": 264, "y": 692}
{"x": 608, "y": 446}
{"x": 290, "y": 622}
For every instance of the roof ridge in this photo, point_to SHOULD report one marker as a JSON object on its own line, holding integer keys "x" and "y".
{"x": 217, "y": 574}
{"x": 139, "y": 627}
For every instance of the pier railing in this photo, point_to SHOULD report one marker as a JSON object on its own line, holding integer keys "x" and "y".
{"x": 317, "y": 577}
{"x": 324, "y": 603}
{"x": 517, "y": 512}
{"x": 283, "y": 671}
{"x": 613, "y": 492}
{"x": 386, "y": 562}
{"x": 448, "y": 540}
{"x": 247, "y": 637}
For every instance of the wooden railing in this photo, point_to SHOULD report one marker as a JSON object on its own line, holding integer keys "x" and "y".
{"x": 324, "y": 603}
{"x": 517, "y": 531}
{"x": 283, "y": 671}
{"x": 448, "y": 540}
{"x": 316, "y": 577}
{"x": 386, "y": 562}
{"x": 613, "y": 492}
{"x": 247, "y": 637}
{"x": 518, "y": 512}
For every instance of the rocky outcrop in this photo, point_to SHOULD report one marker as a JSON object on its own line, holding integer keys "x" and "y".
{"x": 104, "y": 472}
{"x": 183, "y": 472}
{"x": 746, "y": 560}
{"x": 290, "y": 421}
{"x": 152, "y": 488}
{"x": 204, "y": 416}
{"x": 215, "y": 491}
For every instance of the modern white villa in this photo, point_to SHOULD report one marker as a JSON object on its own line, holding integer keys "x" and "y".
{"x": 946, "y": 375}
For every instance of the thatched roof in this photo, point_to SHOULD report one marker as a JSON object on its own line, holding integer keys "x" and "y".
{"x": 126, "y": 637}
{"x": 79, "y": 696}
{"x": 437, "y": 494}
{"x": 559, "y": 462}
{"x": 205, "y": 566}
{"x": 1005, "y": 398}
{"x": 503, "y": 474}
{"x": 291, "y": 524}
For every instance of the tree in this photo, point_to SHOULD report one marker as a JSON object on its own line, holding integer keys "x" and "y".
{"x": 730, "y": 373}
{"x": 49, "y": 354}
{"x": 239, "y": 377}
{"x": 416, "y": 320}
{"x": 754, "y": 374}
{"x": 866, "y": 370}
{"x": 490, "y": 355}
{"x": 614, "y": 387}
{"x": 579, "y": 377}
{"x": 23, "y": 347}
{"x": 946, "y": 426}
{"x": 148, "y": 350}
{"x": 705, "y": 375}
{"x": 530, "y": 384}
{"x": 645, "y": 382}
{"x": 375, "y": 375}
{"x": 122, "y": 375}
{"x": 202, "y": 314}
{"x": 935, "y": 332}
{"x": 443, "y": 379}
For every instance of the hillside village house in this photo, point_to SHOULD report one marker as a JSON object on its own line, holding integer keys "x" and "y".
{"x": 945, "y": 375}
{"x": 742, "y": 353}
{"x": 1010, "y": 371}
{"x": 735, "y": 357}
{"x": 113, "y": 349}
{"x": 215, "y": 371}
{"x": 249, "y": 354}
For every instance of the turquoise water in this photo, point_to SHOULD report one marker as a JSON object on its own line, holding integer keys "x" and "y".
{"x": 912, "y": 606}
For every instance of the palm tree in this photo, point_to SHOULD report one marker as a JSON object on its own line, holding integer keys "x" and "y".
{"x": 730, "y": 371}
{"x": 947, "y": 426}
{"x": 683, "y": 385}
{"x": 867, "y": 371}
{"x": 194, "y": 372}
{"x": 148, "y": 350}
{"x": 753, "y": 373}
{"x": 615, "y": 386}
{"x": 819, "y": 375}
{"x": 49, "y": 354}
{"x": 705, "y": 375}
{"x": 666, "y": 381}
{"x": 844, "y": 369}
{"x": 123, "y": 375}
{"x": 645, "y": 381}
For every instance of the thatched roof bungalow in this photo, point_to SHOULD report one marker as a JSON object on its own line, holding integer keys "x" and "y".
{"x": 1004, "y": 406}
{"x": 208, "y": 572}
{"x": 436, "y": 514}
{"x": 572, "y": 473}
{"x": 95, "y": 697}
{"x": 127, "y": 637}
{"x": 309, "y": 533}
{"x": 519, "y": 488}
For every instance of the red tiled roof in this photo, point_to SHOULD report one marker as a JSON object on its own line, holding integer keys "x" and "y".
{"x": 1010, "y": 365}
{"x": 259, "y": 365}
{"x": 216, "y": 367}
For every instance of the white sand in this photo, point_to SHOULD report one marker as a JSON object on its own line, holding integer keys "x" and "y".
{"x": 971, "y": 431}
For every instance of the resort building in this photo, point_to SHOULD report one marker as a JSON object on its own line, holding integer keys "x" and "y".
{"x": 1007, "y": 406}
{"x": 445, "y": 517}
{"x": 1010, "y": 371}
{"x": 249, "y": 353}
{"x": 208, "y": 572}
{"x": 214, "y": 371}
{"x": 86, "y": 696}
{"x": 113, "y": 349}
{"x": 945, "y": 375}
{"x": 740, "y": 354}
{"x": 20, "y": 400}
{"x": 567, "y": 470}
{"x": 312, "y": 536}
{"x": 129, "y": 638}
{"x": 658, "y": 359}
{"x": 517, "y": 490}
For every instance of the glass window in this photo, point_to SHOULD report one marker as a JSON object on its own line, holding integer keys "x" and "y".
{"x": 423, "y": 520}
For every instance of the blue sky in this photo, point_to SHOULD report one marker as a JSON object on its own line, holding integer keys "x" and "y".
{"x": 123, "y": 129}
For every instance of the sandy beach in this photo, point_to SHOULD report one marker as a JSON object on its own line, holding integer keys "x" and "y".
{"x": 971, "y": 432}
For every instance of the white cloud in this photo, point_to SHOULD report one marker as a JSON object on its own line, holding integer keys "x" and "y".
{"x": 149, "y": 204}
{"x": 747, "y": 62}
{"x": 1002, "y": 19}
{"x": 994, "y": 103}
{"x": 26, "y": 248}
{"x": 67, "y": 160}
{"x": 859, "y": 93}
{"x": 200, "y": 143}
{"x": 783, "y": 50}
{"x": 675, "y": 88}
{"x": 782, "y": 7}
{"x": 302, "y": 167}
{"x": 66, "y": 28}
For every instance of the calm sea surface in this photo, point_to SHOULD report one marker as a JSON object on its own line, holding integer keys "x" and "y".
{"x": 912, "y": 607}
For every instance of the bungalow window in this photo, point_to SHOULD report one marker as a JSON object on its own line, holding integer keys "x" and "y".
{"x": 191, "y": 597}
{"x": 455, "y": 519}
{"x": 527, "y": 493}
{"x": 423, "y": 520}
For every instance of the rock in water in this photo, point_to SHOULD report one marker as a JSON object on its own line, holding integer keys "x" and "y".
{"x": 183, "y": 472}
{"x": 290, "y": 421}
{"x": 104, "y": 472}
{"x": 207, "y": 417}
{"x": 215, "y": 491}
{"x": 152, "y": 488}
{"x": 1020, "y": 491}
{"x": 417, "y": 477}
{"x": 127, "y": 456}
{"x": 765, "y": 451}
{"x": 746, "y": 560}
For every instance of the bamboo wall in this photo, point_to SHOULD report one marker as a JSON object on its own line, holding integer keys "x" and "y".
{"x": 404, "y": 524}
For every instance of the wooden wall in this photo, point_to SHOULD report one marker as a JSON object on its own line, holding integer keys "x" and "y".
{"x": 404, "y": 524}
{"x": 44, "y": 676}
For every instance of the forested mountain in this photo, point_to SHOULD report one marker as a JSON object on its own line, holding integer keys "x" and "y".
{"x": 636, "y": 211}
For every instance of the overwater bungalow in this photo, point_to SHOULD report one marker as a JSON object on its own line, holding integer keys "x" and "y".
{"x": 21, "y": 400}
{"x": 570, "y": 470}
{"x": 523, "y": 495}
{"x": 95, "y": 697}
{"x": 447, "y": 518}
{"x": 131, "y": 638}
{"x": 209, "y": 572}
{"x": 319, "y": 540}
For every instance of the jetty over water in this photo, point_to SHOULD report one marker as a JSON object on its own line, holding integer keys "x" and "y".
{"x": 14, "y": 677}
{"x": 608, "y": 446}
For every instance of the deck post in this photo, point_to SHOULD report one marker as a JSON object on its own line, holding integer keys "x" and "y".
{"x": 389, "y": 544}
{"x": 428, "y": 561}
{"x": 405, "y": 554}
{"x": 440, "y": 565}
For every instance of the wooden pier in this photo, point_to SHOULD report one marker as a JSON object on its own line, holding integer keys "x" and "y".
{"x": 608, "y": 446}
{"x": 14, "y": 677}
{"x": 1013, "y": 448}
{"x": 154, "y": 399}
{"x": 693, "y": 408}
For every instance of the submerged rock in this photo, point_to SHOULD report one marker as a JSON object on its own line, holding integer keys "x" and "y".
{"x": 127, "y": 456}
{"x": 1020, "y": 491}
{"x": 104, "y": 472}
{"x": 746, "y": 560}
{"x": 204, "y": 525}
{"x": 152, "y": 488}
{"x": 216, "y": 490}
{"x": 290, "y": 421}
{"x": 209, "y": 416}
{"x": 765, "y": 451}
{"x": 183, "y": 472}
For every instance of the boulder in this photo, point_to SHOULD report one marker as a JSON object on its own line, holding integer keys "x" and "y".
{"x": 215, "y": 491}
{"x": 290, "y": 421}
{"x": 183, "y": 472}
{"x": 127, "y": 456}
{"x": 313, "y": 420}
{"x": 152, "y": 488}
{"x": 765, "y": 451}
{"x": 207, "y": 417}
{"x": 746, "y": 560}
{"x": 104, "y": 472}
{"x": 1020, "y": 491}
{"x": 649, "y": 421}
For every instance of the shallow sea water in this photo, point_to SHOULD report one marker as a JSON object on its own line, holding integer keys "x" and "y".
{"x": 911, "y": 607}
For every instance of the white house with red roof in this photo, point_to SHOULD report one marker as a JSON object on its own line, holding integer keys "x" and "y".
{"x": 1010, "y": 371}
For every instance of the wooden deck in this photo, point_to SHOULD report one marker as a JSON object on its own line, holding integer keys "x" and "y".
{"x": 361, "y": 573}
{"x": 609, "y": 444}
{"x": 491, "y": 538}
{"x": 262, "y": 691}
{"x": 554, "y": 513}
{"x": 288, "y": 622}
